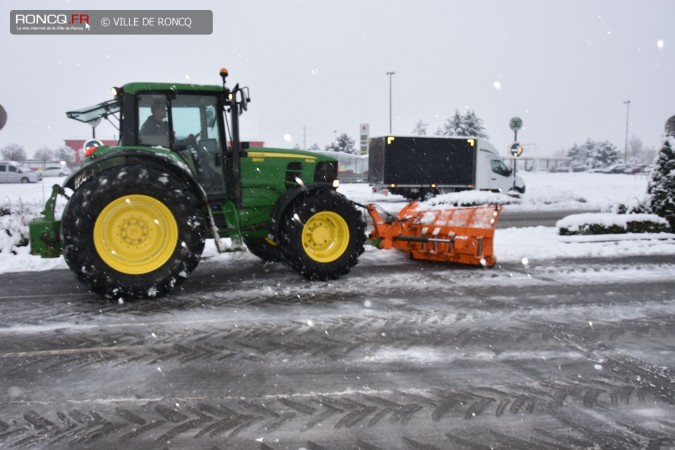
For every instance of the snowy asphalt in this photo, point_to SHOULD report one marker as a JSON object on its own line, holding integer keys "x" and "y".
{"x": 568, "y": 353}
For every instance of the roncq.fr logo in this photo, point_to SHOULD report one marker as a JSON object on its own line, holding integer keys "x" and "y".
{"x": 51, "y": 19}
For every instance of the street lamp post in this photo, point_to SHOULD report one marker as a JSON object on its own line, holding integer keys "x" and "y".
{"x": 625, "y": 146}
{"x": 390, "y": 75}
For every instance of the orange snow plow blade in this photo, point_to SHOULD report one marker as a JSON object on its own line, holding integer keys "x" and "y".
{"x": 458, "y": 235}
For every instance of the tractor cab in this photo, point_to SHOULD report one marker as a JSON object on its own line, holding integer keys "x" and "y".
{"x": 185, "y": 119}
{"x": 191, "y": 125}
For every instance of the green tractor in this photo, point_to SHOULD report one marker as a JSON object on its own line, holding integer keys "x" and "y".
{"x": 136, "y": 222}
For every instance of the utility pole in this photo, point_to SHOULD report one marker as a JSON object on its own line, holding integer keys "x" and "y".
{"x": 625, "y": 147}
{"x": 390, "y": 91}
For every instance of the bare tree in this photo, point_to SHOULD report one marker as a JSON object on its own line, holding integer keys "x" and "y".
{"x": 14, "y": 152}
{"x": 44, "y": 154}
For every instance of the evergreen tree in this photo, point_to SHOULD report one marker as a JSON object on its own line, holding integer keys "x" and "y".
{"x": 661, "y": 187}
{"x": 420, "y": 128}
{"x": 578, "y": 154}
{"x": 604, "y": 154}
{"x": 467, "y": 125}
{"x": 343, "y": 144}
{"x": 13, "y": 152}
{"x": 473, "y": 125}
{"x": 594, "y": 154}
{"x": 451, "y": 126}
{"x": 588, "y": 148}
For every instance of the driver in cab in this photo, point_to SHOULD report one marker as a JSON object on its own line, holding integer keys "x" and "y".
{"x": 155, "y": 129}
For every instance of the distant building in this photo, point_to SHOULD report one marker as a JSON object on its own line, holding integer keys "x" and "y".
{"x": 542, "y": 163}
{"x": 78, "y": 144}
{"x": 251, "y": 144}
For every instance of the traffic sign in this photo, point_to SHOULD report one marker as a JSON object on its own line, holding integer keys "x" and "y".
{"x": 516, "y": 149}
{"x": 92, "y": 143}
{"x": 364, "y": 133}
{"x": 516, "y": 123}
{"x": 90, "y": 146}
{"x": 3, "y": 117}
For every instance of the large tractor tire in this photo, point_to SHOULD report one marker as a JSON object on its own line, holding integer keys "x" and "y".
{"x": 322, "y": 236}
{"x": 262, "y": 248}
{"x": 133, "y": 232}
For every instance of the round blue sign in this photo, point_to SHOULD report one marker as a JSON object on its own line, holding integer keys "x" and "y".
{"x": 92, "y": 143}
{"x": 516, "y": 149}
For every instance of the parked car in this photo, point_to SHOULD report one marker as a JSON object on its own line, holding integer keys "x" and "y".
{"x": 614, "y": 168}
{"x": 557, "y": 169}
{"x": 578, "y": 168}
{"x": 55, "y": 171}
{"x": 637, "y": 168}
{"x": 14, "y": 173}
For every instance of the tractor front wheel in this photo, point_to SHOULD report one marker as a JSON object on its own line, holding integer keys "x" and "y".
{"x": 133, "y": 232}
{"x": 322, "y": 236}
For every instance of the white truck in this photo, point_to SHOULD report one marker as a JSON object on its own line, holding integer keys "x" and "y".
{"x": 419, "y": 167}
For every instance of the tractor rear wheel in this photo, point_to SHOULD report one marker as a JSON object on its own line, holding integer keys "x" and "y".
{"x": 322, "y": 236}
{"x": 262, "y": 248}
{"x": 133, "y": 232}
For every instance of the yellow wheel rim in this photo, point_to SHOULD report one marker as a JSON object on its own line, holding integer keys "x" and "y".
{"x": 325, "y": 237}
{"x": 135, "y": 234}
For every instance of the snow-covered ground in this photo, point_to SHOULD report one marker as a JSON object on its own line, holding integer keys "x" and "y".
{"x": 545, "y": 191}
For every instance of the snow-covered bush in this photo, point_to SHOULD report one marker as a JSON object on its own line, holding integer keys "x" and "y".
{"x": 661, "y": 187}
{"x": 14, "y": 219}
{"x": 468, "y": 198}
{"x": 636, "y": 206}
{"x": 608, "y": 223}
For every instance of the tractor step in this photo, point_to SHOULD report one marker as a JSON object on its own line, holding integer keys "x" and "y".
{"x": 457, "y": 235}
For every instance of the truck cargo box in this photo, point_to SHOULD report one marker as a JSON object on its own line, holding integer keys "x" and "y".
{"x": 397, "y": 160}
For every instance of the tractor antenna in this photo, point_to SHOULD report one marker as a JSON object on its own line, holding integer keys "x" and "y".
{"x": 223, "y": 74}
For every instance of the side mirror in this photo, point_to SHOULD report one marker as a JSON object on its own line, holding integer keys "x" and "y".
{"x": 245, "y": 98}
{"x": 242, "y": 98}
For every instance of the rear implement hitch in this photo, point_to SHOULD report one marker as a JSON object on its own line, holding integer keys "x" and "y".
{"x": 44, "y": 231}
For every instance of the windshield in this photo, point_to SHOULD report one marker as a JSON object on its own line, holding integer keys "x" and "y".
{"x": 95, "y": 113}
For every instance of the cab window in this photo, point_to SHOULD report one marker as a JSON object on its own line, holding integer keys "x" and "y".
{"x": 197, "y": 137}
{"x": 153, "y": 122}
{"x": 499, "y": 167}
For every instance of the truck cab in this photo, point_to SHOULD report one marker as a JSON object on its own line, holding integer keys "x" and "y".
{"x": 492, "y": 173}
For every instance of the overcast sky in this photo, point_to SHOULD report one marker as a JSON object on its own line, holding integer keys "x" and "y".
{"x": 315, "y": 68}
